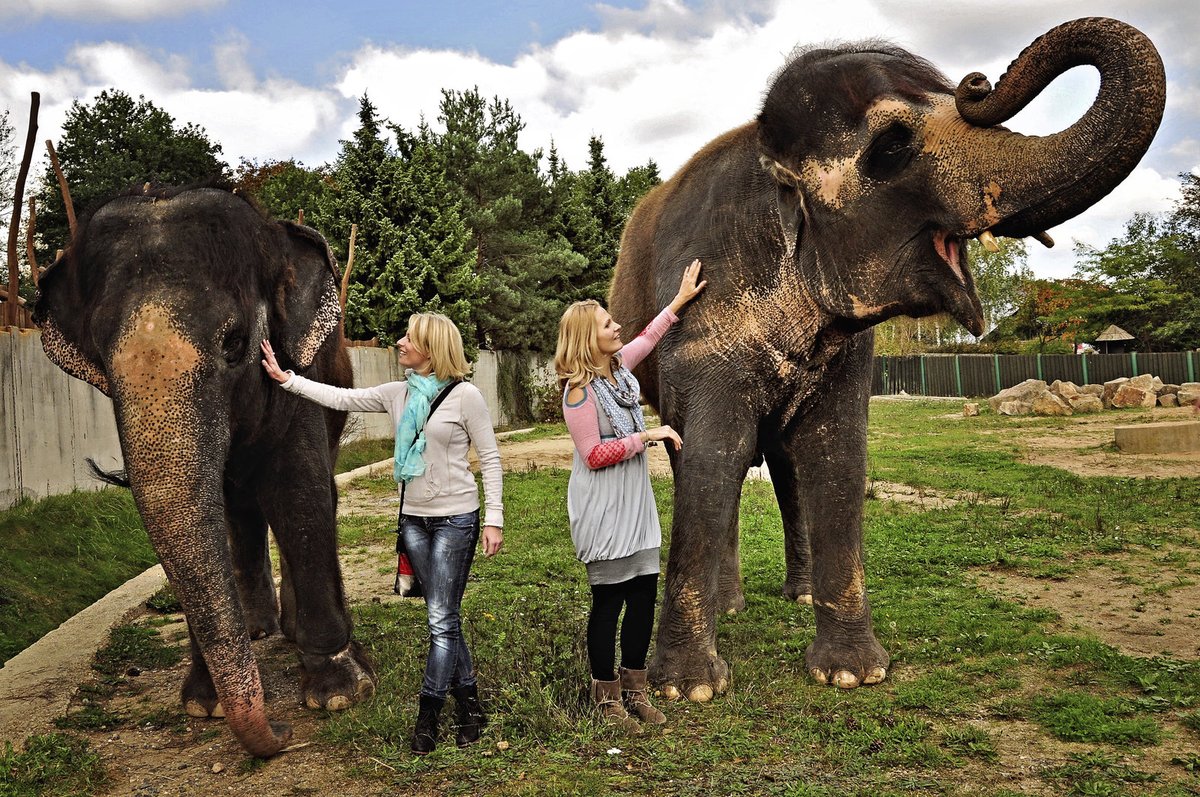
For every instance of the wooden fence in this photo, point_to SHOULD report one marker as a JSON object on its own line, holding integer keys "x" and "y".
{"x": 988, "y": 374}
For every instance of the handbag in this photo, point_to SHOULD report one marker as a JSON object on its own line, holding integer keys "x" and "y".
{"x": 406, "y": 584}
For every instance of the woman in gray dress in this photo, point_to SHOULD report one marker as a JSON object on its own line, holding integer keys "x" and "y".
{"x": 614, "y": 521}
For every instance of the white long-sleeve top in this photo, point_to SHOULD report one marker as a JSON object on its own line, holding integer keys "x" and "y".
{"x": 447, "y": 487}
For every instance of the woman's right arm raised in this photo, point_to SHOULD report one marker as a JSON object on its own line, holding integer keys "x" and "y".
{"x": 367, "y": 399}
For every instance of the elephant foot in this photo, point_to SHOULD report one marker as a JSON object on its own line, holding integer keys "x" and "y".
{"x": 261, "y": 626}
{"x": 199, "y": 695}
{"x": 338, "y": 681}
{"x": 698, "y": 677}
{"x": 731, "y": 602}
{"x": 846, "y": 666}
{"x": 800, "y": 592}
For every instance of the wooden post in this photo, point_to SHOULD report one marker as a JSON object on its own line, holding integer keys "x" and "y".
{"x": 62, "y": 186}
{"x": 30, "y": 229}
{"x": 300, "y": 216}
{"x": 12, "y": 317}
{"x": 349, "y": 265}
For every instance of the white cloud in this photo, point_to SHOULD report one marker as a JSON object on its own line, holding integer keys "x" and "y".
{"x": 103, "y": 10}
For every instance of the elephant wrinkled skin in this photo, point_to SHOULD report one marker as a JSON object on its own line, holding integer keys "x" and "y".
{"x": 160, "y": 302}
{"x": 847, "y": 201}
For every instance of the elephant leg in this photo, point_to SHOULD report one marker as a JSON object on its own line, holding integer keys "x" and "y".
{"x": 299, "y": 499}
{"x": 797, "y": 585}
{"x": 252, "y": 564}
{"x": 708, "y": 478}
{"x": 830, "y": 445}
{"x": 730, "y": 597}
{"x": 199, "y": 694}
{"x": 287, "y": 601}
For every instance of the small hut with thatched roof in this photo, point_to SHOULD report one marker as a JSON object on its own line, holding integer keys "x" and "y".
{"x": 1113, "y": 340}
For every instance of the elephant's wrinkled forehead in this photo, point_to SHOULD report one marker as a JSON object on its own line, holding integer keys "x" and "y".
{"x": 833, "y": 178}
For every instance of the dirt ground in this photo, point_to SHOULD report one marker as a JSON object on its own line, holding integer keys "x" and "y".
{"x": 1144, "y": 606}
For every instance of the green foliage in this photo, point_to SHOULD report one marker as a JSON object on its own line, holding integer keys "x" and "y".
{"x": 52, "y": 765}
{"x": 59, "y": 554}
{"x": 999, "y": 277}
{"x": 1080, "y": 717}
{"x": 114, "y": 143}
{"x": 134, "y": 646}
{"x": 283, "y": 188}
{"x": 363, "y": 452}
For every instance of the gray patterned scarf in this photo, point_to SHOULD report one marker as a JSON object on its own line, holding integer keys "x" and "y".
{"x": 625, "y": 393}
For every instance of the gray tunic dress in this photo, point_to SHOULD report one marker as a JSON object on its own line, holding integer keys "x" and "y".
{"x": 614, "y": 520}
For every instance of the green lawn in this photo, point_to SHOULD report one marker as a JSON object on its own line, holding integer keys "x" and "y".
{"x": 976, "y": 682}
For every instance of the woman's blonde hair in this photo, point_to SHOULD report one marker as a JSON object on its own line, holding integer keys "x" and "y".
{"x": 438, "y": 337}
{"x": 577, "y": 357}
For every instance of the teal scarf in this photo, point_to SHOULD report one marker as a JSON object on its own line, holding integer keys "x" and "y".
{"x": 409, "y": 444}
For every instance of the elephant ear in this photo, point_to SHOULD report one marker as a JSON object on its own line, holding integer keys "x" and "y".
{"x": 307, "y": 304}
{"x": 789, "y": 201}
{"x": 64, "y": 325}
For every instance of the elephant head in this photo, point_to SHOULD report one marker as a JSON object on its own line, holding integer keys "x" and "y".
{"x": 160, "y": 302}
{"x": 883, "y": 170}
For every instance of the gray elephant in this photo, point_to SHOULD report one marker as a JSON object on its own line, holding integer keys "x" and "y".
{"x": 848, "y": 201}
{"x": 161, "y": 301}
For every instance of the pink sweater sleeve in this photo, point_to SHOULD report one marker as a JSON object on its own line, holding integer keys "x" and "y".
{"x": 636, "y": 350}
{"x": 584, "y": 425}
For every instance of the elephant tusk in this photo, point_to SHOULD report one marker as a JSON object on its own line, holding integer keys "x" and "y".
{"x": 1043, "y": 239}
{"x": 989, "y": 242}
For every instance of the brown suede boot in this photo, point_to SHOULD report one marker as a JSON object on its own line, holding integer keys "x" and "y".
{"x": 607, "y": 696}
{"x": 633, "y": 689}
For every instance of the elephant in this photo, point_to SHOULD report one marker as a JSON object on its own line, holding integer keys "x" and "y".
{"x": 160, "y": 301}
{"x": 848, "y": 200}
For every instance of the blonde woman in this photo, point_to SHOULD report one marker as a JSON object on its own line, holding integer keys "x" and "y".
{"x": 614, "y": 521}
{"x": 440, "y": 512}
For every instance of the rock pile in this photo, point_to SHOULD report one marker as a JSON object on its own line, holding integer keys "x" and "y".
{"x": 1035, "y": 397}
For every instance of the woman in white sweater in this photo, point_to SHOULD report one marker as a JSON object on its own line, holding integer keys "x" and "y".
{"x": 440, "y": 512}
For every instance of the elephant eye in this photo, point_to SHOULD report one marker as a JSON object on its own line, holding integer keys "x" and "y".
{"x": 233, "y": 346}
{"x": 890, "y": 153}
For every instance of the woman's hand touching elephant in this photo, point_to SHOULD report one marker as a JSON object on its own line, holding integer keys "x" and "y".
{"x": 650, "y": 436}
{"x": 271, "y": 365}
{"x": 688, "y": 288}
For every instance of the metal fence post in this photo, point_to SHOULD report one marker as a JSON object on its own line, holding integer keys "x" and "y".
{"x": 1191, "y": 368}
{"x": 996, "y": 363}
{"x": 924, "y": 392}
{"x": 1039, "y": 367}
{"x": 958, "y": 375}
{"x": 1085, "y": 373}
{"x": 1133, "y": 362}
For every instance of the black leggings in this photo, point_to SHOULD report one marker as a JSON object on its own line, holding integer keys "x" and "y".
{"x": 638, "y": 595}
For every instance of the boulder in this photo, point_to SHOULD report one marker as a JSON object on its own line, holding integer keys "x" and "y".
{"x": 1144, "y": 382}
{"x": 1049, "y": 404}
{"x": 1086, "y": 402}
{"x": 1168, "y": 400}
{"x": 1168, "y": 389}
{"x": 1014, "y": 407}
{"x": 1093, "y": 390}
{"x": 1111, "y": 387}
{"x": 1188, "y": 395}
{"x": 1024, "y": 393}
{"x": 971, "y": 409}
{"x": 1133, "y": 394}
{"x": 1064, "y": 389}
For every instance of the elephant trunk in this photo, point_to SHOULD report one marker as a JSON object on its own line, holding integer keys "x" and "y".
{"x": 175, "y": 460}
{"x": 1032, "y": 183}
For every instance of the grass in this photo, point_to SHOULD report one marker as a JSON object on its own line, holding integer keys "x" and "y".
{"x": 363, "y": 452}
{"x": 975, "y": 681}
{"x": 54, "y": 765}
{"x": 59, "y": 555}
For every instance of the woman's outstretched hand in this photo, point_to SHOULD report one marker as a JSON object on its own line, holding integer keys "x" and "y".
{"x": 688, "y": 287}
{"x": 664, "y": 433}
{"x": 271, "y": 365}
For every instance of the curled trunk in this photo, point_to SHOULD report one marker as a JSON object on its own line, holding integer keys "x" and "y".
{"x": 1037, "y": 182}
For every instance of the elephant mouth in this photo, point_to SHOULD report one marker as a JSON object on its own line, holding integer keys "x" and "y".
{"x": 950, "y": 249}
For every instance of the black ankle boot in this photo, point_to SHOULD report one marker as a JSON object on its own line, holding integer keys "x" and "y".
{"x": 425, "y": 733}
{"x": 468, "y": 713}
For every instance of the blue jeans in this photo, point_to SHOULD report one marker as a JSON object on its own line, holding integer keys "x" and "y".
{"x": 441, "y": 550}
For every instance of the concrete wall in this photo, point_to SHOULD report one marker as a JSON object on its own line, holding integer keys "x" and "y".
{"x": 50, "y": 423}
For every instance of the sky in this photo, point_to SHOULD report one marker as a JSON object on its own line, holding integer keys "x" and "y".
{"x": 655, "y": 79}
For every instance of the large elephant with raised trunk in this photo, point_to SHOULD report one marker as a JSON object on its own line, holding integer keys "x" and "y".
{"x": 160, "y": 301}
{"x": 847, "y": 201}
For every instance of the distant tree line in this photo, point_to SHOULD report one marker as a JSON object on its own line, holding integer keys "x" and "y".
{"x": 459, "y": 220}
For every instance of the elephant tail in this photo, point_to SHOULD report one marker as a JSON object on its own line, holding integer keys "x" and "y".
{"x": 117, "y": 477}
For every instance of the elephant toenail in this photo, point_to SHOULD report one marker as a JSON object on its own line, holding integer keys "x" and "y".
{"x": 805, "y": 599}
{"x": 876, "y": 675}
{"x": 844, "y": 679}
{"x": 671, "y": 692}
{"x": 366, "y": 688}
{"x": 722, "y": 684}
{"x": 338, "y": 703}
{"x": 194, "y": 709}
{"x": 700, "y": 694}
{"x": 312, "y": 702}
{"x": 819, "y": 675}
{"x": 218, "y": 711}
